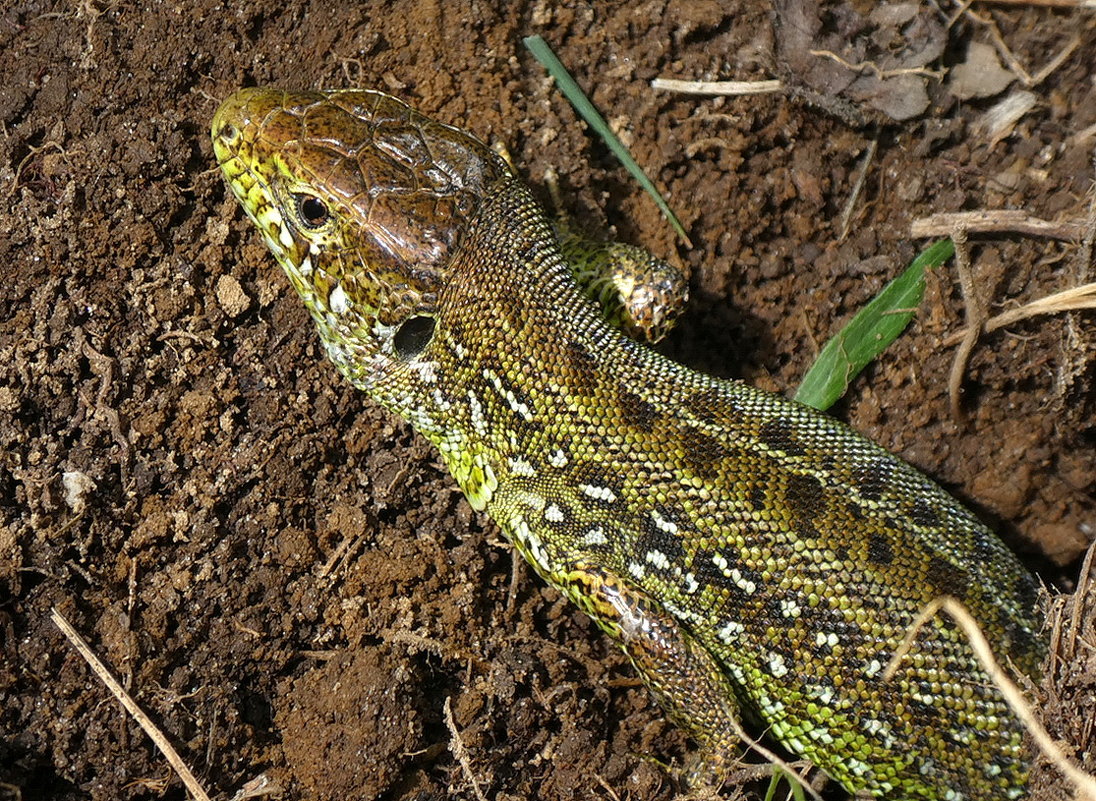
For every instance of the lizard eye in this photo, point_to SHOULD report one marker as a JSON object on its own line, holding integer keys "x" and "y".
{"x": 229, "y": 132}
{"x": 311, "y": 211}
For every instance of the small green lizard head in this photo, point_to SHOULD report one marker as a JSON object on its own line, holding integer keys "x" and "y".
{"x": 363, "y": 202}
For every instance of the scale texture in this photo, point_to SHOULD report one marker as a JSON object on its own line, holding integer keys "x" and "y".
{"x": 754, "y": 558}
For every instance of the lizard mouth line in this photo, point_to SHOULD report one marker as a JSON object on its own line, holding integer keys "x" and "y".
{"x": 255, "y": 192}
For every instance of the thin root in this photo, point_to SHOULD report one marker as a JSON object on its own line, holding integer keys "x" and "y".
{"x": 456, "y": 745}
{"x": 976, "y": 318}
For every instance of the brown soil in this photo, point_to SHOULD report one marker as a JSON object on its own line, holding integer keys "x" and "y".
{"x": 283, "y": 574}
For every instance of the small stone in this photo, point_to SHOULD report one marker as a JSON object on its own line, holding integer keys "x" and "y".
{"x": 981, "y": 75}
{"x": 77, "y": 487}
{"x": 231, "y": 296}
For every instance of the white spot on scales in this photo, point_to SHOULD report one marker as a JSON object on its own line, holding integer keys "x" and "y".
{"x": 598, "y": 493}
{"x": 337, "y": 301}
{"x": 521, "y": 467}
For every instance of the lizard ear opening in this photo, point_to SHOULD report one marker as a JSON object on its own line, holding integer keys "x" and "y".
{"x": 413, "y": 335}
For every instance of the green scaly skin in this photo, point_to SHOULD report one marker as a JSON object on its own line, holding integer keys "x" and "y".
{"x": 750, "y": 555}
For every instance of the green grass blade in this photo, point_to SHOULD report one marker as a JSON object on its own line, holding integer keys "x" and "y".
{"x": 869, "y": 333}
{"x": 543, "y": 53}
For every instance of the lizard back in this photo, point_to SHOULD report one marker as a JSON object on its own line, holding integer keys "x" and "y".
{"x": 795, "y": 550}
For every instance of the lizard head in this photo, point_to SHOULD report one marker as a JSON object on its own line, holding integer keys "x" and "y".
{"x": 363, "y": 202}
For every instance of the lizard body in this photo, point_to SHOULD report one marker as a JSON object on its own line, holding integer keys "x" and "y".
{"x": 752, "y": 557}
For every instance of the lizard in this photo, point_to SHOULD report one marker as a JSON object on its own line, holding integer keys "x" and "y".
{"x": 754, "y": 558}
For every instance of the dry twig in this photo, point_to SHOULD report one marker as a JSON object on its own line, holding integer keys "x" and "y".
{"x": 857, "y": 188}
{"x": 722, "y": 88}
{"x": 1026, "y": 78}
{"x": 1085, "y": 783}
{"x": 606, "y": 787}
{"x": 774, "y": 759}
{"x": 1080, "y": 595}
{"x": 1076, "y": 299}
{"x": 996, "y": 221}
{"x": 145, "y": 722}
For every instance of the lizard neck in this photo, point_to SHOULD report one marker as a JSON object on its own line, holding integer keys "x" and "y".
{"x": 487, "y": 387}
